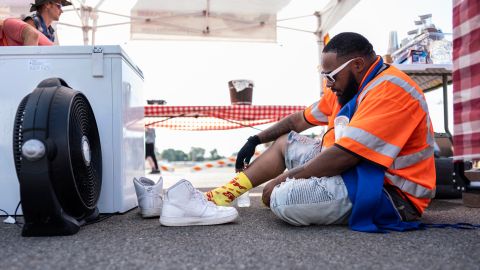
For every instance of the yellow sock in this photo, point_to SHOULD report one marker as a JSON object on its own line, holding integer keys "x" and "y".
{"x": 225, "y": 194}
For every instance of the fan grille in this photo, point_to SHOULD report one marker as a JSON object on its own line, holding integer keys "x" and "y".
{"x": 18, "y": 133}
{"x": 87, "y": 174}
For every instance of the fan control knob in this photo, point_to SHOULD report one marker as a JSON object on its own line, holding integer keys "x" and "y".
{"x": 33, "y": 149}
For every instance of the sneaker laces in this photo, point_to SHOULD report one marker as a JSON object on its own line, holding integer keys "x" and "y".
{"x": 198, "y": 194}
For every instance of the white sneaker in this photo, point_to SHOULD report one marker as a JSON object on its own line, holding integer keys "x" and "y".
{"x": 186, "y": 206}
{"x": 149, "y": 196}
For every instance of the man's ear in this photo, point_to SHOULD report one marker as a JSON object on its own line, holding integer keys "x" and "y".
{"x": 359, "y": 65}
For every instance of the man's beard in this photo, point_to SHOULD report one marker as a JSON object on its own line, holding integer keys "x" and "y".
{"x": 350, "y": 90}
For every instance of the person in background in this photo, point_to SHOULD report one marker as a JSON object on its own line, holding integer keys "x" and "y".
{"x": 47, "y": 11}
{"x": 15, "y": 32}
{"x": 150, "y": 149}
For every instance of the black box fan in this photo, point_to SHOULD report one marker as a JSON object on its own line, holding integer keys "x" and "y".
{"x": 58, "y": 160}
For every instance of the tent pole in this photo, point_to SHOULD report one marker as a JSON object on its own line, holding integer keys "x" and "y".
{"x": 319, "y": 34}
{"x": 85, "y": 14}
{"x": 206, "y": 29}
{"x": 94, "y": 25}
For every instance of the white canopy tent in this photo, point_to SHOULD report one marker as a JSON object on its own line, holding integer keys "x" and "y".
{"x": 253, "y": 20}
{"x": 231, "y": 20}
{"x": 14, "y": 8}
{"x": 330, "y": 15}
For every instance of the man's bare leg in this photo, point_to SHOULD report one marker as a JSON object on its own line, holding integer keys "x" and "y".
{"x": 267, "y": 166}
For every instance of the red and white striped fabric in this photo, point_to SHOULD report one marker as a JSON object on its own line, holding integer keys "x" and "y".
{"x": 466, "y": 79}
{"x": 215, "y": 117}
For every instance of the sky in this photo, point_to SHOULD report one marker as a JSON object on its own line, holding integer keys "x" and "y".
{"x": 284, "y": 73}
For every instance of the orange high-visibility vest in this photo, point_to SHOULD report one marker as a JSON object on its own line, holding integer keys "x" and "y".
{"x": 392, "y": 128}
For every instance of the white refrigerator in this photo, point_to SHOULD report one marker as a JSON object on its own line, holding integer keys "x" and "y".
{"x": 113, "y": 85}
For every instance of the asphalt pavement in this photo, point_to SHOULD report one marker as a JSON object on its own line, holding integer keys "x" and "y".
{"x": 258, "y": 240}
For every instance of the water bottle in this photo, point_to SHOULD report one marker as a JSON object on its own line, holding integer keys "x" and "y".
{"x": 243, "y": 200}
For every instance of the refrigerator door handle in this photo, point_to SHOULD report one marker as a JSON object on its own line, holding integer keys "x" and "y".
{"x": 97, "y": 62}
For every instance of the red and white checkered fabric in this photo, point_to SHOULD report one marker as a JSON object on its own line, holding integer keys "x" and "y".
{"x": 466, "y": 79}
{"x": 215, "y": 117}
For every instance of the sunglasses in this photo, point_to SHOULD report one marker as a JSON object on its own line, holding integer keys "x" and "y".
{"x": 330, "y": 76}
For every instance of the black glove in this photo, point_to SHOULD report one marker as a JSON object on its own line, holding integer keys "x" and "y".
{"x": 246, "y": 153}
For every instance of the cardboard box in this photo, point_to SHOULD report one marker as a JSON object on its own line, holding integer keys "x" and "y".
{"x": 417, "y": 57}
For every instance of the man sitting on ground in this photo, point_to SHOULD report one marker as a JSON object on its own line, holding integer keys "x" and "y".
{"x": 382, "y": 142}
{"x": 374, "y": 168}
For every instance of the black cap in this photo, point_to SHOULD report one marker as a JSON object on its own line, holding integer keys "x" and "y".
{"x": 41, "y": 2}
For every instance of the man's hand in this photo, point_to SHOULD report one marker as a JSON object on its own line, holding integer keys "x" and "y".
{"x": 246, "y": 153}
{"x": 267, "y": 190}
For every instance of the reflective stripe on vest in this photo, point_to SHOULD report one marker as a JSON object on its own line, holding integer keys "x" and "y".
{"x": 402, "y": 84}
{"x": 371, "y": 141}
{"x": 410, "y": 159}
{"x": 410, "y": 187}
{"x": 319, "y": 116}
{"x": 404, "y": 161}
